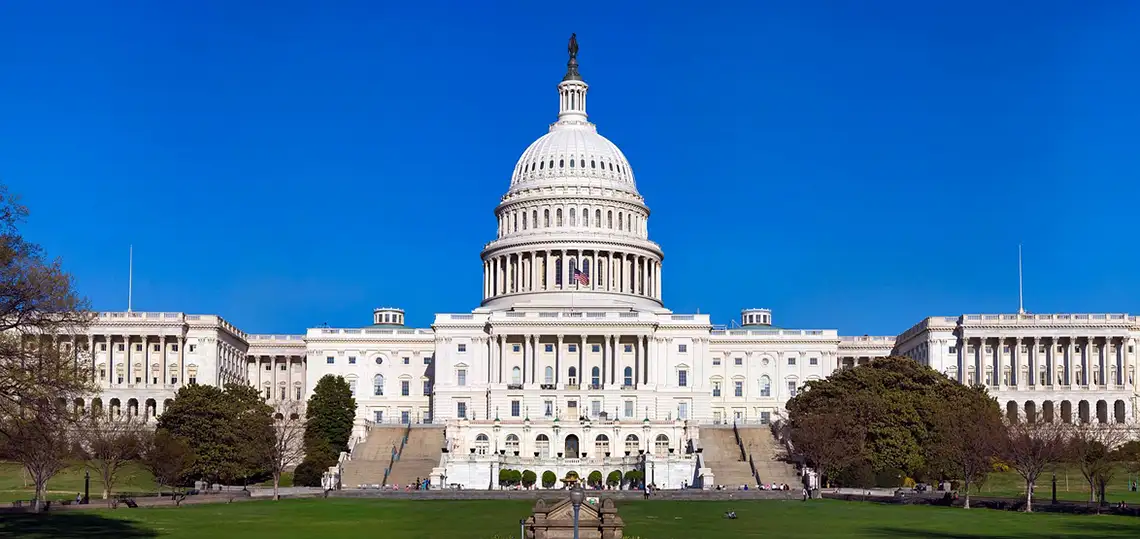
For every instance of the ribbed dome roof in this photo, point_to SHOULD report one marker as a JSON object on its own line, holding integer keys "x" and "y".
{"x": 573, "y": 155}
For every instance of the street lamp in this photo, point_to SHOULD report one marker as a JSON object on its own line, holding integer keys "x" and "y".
{"x": 86, "y": 487}
{"x": 576, "y": 497}
{"x": 1054, "y": 487}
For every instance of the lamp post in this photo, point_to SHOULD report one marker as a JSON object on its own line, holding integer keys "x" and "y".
{"x": 576, "y": 497}
{"x": 1054, "y": 487}
{"x": 87, "y": 487}
{"x": 522, "y": 528}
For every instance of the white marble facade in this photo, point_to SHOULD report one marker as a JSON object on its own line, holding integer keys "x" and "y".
{"x": 573, "y": 339}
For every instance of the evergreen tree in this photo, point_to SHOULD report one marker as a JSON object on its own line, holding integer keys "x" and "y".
{"x": 328, "y": 425}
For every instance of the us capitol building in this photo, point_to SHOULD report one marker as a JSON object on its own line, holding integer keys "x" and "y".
{"x": 572, "y": 355}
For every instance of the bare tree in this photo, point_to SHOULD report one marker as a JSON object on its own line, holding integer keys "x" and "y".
{"x": 168, "y": 457}
{"x": 1030, "y": 446}
{"x": 287, "y": 448}
{"x": 41, "y": 443}
{"x": 109, "y": 443}
{"x": 830, "y": 441}
{"x": 967, "y": 436}
{"x": 1090, "y": 446}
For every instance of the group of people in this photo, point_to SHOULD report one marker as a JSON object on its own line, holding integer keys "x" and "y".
{"x": 420, "y": 484}
{"x": 762, "y": 486}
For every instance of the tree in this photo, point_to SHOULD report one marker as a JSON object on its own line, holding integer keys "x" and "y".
{"x": 828, "y": 440}
{"x": 1090, "y": 446}
{"x": 634, "y": 477}
{"x": 528, "y": 478}
{"x": 330, "y": 413}
{"x": 504, "y": 477}
{"x": 169, "y": 458}
{"x": 549, "y": 479}
{"x": 1128, "y": 454}
{"x": 227, "y": 430}
{"x": 108, "y": 443}
{"x": 613, "y": 479}
{"x": 1030, "y": 446}
{"x": 594, "y": 479}
{"x": 967, "y": 433}
{"x": 42, "y": 445}
{"x": 287, "y": 446}
{"x": 894, "y": 401}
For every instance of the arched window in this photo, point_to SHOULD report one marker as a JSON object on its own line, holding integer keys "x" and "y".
{"x": 573, "y": 267}
{"x": 602, "y": 445}
{"x": 558, "y": 271}
{"x": 592, "y": 164}
{"x": 482, "y": 444}
{"x": 534, "y": 219}
{"x": 378, "y": 384}
{"x": 549, "y": 375}
{"x": 552, "y": 163}
{"x": 586, "y": 217}
{"x": 558, "y": 217}
{"x": 610, "y": 219}
{"x": 620, "y": 219}
{"x": 561, "y": 163}
{"x": 524, "y": 219}
{"x": 661, "y": 445}
{"x": 627, "y": 376}
{"x": 765, "y": 386}
{"x": 586, "y": 266}
{"x": 595, "y": 377}
{"x": 571, "y": 163}
{"x": 546, "y": 218}
{"x": 598, "y": 218}
{"x": 573, "y": 216}
{"x": 541, "y": 165}
{"x": 542, "y": 445}
{"x": 516, "y": 375}
{"x": 515, "y": 221}
{"x": 631, "y": 443}
{"x": 573, "y": 376}
{"x": 512, "y": 443}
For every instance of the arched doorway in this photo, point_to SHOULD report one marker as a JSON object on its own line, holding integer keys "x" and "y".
{"x": 571, "y": 450}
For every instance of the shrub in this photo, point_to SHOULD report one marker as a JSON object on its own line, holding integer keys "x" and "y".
{"x": 528, "y": 478}
{"x": 504, "y": 477}
{"x": 614, "y": 479}
{"x": 594, "y": 479}
{"x": 308, "y": 474}
{"x": 548, "y": 479}
{"x": 633, "y": 477}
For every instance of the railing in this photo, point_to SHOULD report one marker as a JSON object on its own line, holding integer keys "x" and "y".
{"x": 548, "y": 386}
{"x": 275, "y": 337}
{"x": 777, "y": 332}
{"x": 752, "y": 466}
{"x": 739, "y": 444}
{"x": 391, "y": 463}
{"x": 514, "y": 386}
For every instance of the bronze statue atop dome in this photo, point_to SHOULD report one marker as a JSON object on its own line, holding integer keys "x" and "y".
{"x": 572, "y": 65}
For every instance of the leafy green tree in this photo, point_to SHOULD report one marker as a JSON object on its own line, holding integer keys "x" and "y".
{"x": 613, "y": 479}
{"x": 894, "y": 401}
{"x": 168, "y": 457}
{"x": 528, "y": 478}
{"x": 594, "y": 479}
{"x": 549, "y": 479}
{"x": 504, "y": 477}
{"x": 329, "y": 414}
{"x": 226, "y": 430}
{"x": 633, "y": 477}
{"x": 967, "y": 433}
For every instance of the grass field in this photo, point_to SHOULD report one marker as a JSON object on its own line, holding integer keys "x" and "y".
{"x": 15, "y": 485}
{"x": 1071, "y": 486}
{"x": 345, "y": 518}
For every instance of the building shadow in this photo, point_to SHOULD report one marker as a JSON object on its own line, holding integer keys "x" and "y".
{"x": 1082, "y": 529}
{"x": 70, "y": 524}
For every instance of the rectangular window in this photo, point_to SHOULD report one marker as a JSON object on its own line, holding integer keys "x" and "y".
{"x": 515, "y": 412}
{"x": 765, "y": 418}
{"x": 283, "y": 368}
{"x": 1040, "y": 349}
{"x": 138, "y": 348}
{"x": 405, "y": 417}
{"x": 427, "y": 360}
{"x": 1024, "y": 349}
{"x": 378, "y": 416}
{"x": 628, "y": 348}
{"x": 121, "y": 348}
{"x": 716, "y": 389}
{"x": 462, "y": 347}
{"x": 738, "y": 361}
{"x": 738, "y": 389}
{"x": 595, "y": 348}
{"x": 989, "y": 349}
{"x": 628, "y": 408}
{"x": 407, "y": 361}
{"x": 174, "y": 347}
{"x": 813, "y": 361}
{"x": 461, "y": 410}
{"x": 298, "y": 393}
{"x": 330, "y": 360}
{"x": 682, "y": 378}
{"x": 405, "y": 390}
{"x": 953, "y": 350}
{"x": 174, "y": 380}
{"x": 682, "y": 410}
{"x": 548, "y": 408}
{"x": 792, "y": 389}
{"x": 716, "y": 361}
{"x": 192, "y": 348}
{"x": 791, "y": 361}
{"x": 682, "y": 348}
{"x": 427, "y": 387}
{"x": 548, "y": 347}
{"x": 352, "y": 387}
{"x": 268, "y": 367}
{"x": 157, "y": 347}
{"x": 595, "y": 408}
{"x": 102, "y": 347}
{"x": 573, "y": 347}
{"x": 516, "y": 348}
{"x": 461, "y": 377}
{"x": 193, "y": 380}
{"x": 1005, "y": 349}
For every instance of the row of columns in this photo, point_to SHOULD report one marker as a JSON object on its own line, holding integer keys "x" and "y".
{"x": 537, "y": 271}
{"x": 129, "y": 362}
{"x": 531, "y": 373}
{"x": 275, "y": 385}
{"x": 1114, "y": 368}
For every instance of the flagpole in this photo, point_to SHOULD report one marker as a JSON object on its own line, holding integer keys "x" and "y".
{"x": 130, "y": 276}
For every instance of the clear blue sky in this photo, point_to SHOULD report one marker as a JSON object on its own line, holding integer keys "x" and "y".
{"x": 849, "y": 165}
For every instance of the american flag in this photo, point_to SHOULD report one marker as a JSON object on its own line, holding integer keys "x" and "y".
{"x": 582, "y": 278}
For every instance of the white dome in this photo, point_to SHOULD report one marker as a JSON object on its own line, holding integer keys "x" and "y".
{"x": 573, "y": 155}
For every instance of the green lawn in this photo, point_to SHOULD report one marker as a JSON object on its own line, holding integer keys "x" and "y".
{"x": 1071, "y": 485}
{"x": 348, "y": 518}
{"x": 132, "y": 478}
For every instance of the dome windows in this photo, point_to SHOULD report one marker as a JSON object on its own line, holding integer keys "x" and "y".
{"x": 571, "y": 163}
{"x": 540, "y": 164}
{"x": 592, "y": 164}
{"x": 561, "y": 163}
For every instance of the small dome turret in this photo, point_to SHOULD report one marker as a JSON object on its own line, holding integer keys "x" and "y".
{"x": 755, "y": 317}
{"x": 387, "y": 316}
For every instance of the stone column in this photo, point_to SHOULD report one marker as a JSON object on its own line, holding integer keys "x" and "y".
{"x": 610, "y": 346}
{"x": 502, "y": 341}
{"x": 582, "y": 359}
{"x": 557, "y": 362}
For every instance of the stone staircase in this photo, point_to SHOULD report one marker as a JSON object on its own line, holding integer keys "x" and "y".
{"x": 420, "y": 455}
{"x": 767, "y": 454}
{"x": 371, "y": 458}
{"x": 721, "y": 453}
